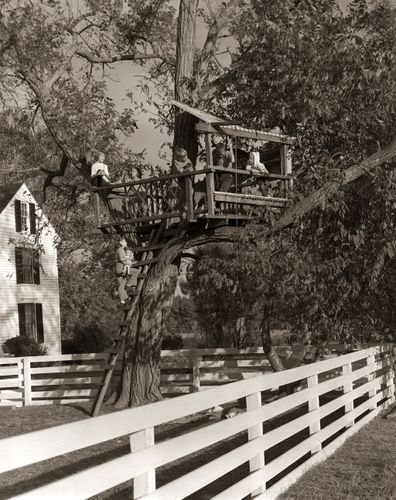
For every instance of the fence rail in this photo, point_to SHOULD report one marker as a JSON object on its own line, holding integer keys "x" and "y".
{"x": 57, "y": 379}
{"x": 361, "y": 384}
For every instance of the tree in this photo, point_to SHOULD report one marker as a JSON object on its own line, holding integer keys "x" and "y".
{"x": 43, "y": 63}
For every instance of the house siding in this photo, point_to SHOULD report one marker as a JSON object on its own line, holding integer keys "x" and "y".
{"x": 11, "y": 293}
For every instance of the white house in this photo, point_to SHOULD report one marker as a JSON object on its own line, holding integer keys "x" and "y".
{"x": 29, "y": 289}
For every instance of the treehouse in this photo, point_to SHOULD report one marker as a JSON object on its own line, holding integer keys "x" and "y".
{"x": 151, "y": 211}
{"x": 195, "y": 195}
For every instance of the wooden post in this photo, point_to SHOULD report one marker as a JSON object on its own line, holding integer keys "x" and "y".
{"x": 286, "y": 164}
{"x": 27, "y": 382}
{"x": 254, "y": 401}
{"x": 144, "y": 484}
{"x": 189, "y": 199}
{"x": 347, "y": 389}
{"x": 313, "y": 405}
{"x": 196, "y": 362}
{"x": 208, "y": 150}
{"x": 390, "y": 381}
{"x": 210, "y": 187}
{"x": 372, "y": 392}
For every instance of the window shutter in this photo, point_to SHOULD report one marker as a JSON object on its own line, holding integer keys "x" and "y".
{"x": 36, "y": 268}
{"x": 32, "y": 215}
{"x": 22, "y": 320}
{"x": 39, "y": 323}
{"x": 18, "y": 220}
{"x": 19, "y": 265}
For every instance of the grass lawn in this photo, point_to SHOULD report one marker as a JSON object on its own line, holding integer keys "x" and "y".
{"x": 364, "y": 468}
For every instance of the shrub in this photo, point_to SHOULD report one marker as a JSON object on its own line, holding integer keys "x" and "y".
{"x": 87, "y": 339}
{"x": 24, "y": 346}
{"x": 172, "y": 342}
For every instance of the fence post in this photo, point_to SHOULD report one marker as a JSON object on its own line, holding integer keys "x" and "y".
{"x": 196, "y": 363}
{"x": 145, "y": 483}
{"x": 371, "y": 376}
{"x": 313, "y": 405}
{"x": 27, "y": 382}
{"x": 254, "y": 401}
{"x": 390, "y": 382}
{"x": 347, "y": 389}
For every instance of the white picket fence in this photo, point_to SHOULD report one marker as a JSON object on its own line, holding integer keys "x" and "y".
{"x": 71, "y": 378}
{"x": 336, "y": 398}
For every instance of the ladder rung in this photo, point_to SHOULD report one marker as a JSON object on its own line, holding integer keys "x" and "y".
{"x": 141, "y": 275}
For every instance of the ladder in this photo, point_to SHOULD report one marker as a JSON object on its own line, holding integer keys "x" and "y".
{"x": 129, "y": 309}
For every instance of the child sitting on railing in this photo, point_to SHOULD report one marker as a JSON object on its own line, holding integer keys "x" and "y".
{"x": 254, "y": 165}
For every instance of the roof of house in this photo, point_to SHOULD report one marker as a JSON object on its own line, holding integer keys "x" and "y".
{"x": 214, "y": 124}
{"x": 7, "y": 192}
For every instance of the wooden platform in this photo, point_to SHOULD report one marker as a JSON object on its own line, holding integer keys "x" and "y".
{"x": 189, "y": 196}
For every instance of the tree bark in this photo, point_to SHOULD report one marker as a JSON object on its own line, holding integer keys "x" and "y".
{"x": 140, "y": 378}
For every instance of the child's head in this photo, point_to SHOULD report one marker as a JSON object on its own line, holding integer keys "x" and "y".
{"x": 101, "y": 157}
{"x": 220, "y": 148}
{"x": 180, "y": 154}
{"x": 122, "y": 242}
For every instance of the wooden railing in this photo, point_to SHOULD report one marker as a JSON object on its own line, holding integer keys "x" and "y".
{"x": 71, "y": 378}
{"x": 337, "y": 397}
{"x": 173, "y": 195}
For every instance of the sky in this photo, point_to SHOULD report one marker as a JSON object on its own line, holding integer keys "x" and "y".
{"x": 124, "y": 79}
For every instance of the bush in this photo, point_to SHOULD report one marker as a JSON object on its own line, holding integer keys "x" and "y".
{"x": 172, "y": 342}
{"x": 88, "y": 339}
{"x": 24, "y": 346}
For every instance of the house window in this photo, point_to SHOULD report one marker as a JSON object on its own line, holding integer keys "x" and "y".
{"x": 31, "y": 321}
{"x": 27, "y": 263}
{"x": 25, "y": 217}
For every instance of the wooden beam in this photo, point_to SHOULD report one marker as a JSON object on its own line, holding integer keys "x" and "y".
{"x": 249, "y": 199}
{"x": 235, "y": 131}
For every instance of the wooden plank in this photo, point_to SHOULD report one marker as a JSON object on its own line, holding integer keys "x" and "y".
{"x": 136, "y": 220}
{"x": 63, "y": 393}
{"x": 9, "y": 383}
{"x": 144, "y": 484}
{"x": 66, "y": 357}
{"x": 51, "y": 442}
{"x": 8, "y": 371}
{"x": 150, "y": 180}
{"x": 233, "y": 131}
{"x": 66, "y": 381}
{"x": 249, "y": 199}
{"x": 27, "y": 379}
{"x": 69, "y": 369}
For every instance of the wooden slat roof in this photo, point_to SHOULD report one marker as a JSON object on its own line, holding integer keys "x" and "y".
{"x": 227, "y": 127}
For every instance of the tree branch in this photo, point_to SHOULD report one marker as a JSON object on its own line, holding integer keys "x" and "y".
{"x": 51, "y": 174}
{"x": 137, "y": 56}
{"x": 325, "y": 192}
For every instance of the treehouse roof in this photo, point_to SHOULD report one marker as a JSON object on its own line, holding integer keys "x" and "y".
{"x": 209, "y": 123}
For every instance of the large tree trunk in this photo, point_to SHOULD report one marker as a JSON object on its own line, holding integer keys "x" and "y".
{"x": 140, "y": 379}
{"x": 140, "y": 382}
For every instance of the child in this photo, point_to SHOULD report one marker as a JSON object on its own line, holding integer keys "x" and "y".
{"x": 100, "y": 171}
{"x": 254, "y": 166}
{"x": 126, "y": 274}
